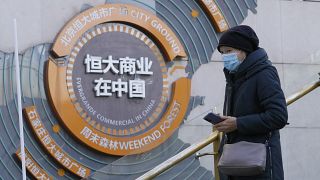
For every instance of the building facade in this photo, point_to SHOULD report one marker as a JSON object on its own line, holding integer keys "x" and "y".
{"x": 110, "y": 89}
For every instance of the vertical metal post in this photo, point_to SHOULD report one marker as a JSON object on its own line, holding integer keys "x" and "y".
{"x": 216, "y": 145}
{"x": 17, "y": 69}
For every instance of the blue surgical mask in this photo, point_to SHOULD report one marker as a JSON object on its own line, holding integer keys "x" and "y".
{"x": 231, "y": 61}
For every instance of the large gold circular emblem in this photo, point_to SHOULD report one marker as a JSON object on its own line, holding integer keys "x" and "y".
{"x": 117, "y": 80}
{"x": 112, "y": 89}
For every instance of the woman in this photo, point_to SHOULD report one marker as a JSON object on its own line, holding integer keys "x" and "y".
{"x": 255, "y": 106}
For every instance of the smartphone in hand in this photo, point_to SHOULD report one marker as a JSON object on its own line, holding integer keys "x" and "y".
{"x": 213, "y": 118}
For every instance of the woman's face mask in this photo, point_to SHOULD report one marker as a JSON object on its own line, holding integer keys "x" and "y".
{"x": 231, "y": 61}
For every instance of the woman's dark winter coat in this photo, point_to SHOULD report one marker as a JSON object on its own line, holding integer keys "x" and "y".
{"x": 254, "y": 97}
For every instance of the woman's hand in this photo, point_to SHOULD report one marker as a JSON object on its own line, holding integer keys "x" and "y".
{"x": 228, "y": 125}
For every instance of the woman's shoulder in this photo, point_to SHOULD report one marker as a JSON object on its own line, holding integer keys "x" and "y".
{"x": 269, "y": 71}
{"x": 268, "y": 77}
